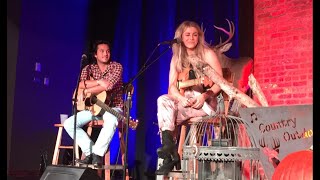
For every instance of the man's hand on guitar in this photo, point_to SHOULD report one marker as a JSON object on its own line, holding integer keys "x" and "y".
{"x": 81, "y": 97}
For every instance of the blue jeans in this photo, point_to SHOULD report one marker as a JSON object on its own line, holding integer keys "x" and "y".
{"x": 83, "y": 140}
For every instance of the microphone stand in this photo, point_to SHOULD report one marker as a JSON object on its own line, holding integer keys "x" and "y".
{"x": 128, "y": 101}
{"x": 75, "y": 111}
{"x": 128, "y": 105}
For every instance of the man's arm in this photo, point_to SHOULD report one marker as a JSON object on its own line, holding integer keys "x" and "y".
{"x": 97, "y": 86}
{"x": 92, "y": 86}
{"x": 110, "y": 81}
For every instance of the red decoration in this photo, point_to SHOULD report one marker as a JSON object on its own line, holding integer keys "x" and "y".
{"x": 297, "y": 165}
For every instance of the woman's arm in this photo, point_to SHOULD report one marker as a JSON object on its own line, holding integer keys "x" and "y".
{"x": 211, "y": 58}
{"x": 173, "y": 90}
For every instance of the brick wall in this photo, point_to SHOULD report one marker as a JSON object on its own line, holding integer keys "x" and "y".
{"x": 283, "y": 50}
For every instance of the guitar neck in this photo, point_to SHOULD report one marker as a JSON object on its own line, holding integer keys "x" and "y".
{"x": 131, "y": 123}
{"x": 109, "y": 109}
{"x": 188, "y": 83}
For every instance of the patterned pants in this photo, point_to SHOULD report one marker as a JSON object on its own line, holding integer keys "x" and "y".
{"x": 171, "y": 113}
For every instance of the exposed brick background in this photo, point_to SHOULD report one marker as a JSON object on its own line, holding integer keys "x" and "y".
{"x": 283, "y": 44}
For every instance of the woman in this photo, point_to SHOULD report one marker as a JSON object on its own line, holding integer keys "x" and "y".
{"x": 181, "y": 104}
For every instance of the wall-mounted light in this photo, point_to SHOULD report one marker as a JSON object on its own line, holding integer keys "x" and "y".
{"x": 37, "y": 69}
{"x": 46, "y": 81}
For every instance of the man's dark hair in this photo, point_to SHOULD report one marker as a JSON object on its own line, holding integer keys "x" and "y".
{"x": 94, "y": 49}
{"x": 98, "y": 42}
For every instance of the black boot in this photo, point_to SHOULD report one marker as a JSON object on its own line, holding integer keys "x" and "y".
{"x": 169, "y": 148}
{"x": 167, "y": 165}
{"x": 96, "y": 160}
{"x": 87, "y": 160}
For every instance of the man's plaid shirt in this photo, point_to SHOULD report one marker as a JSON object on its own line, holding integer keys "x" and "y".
{"x": 113, "y": 74}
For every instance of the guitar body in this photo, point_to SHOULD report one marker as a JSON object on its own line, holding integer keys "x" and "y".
{"x": 97, "y": 105}
{"x": 83, "y": 99}
{"x": 187, "y": 79}
{"x": 183, "y": 77}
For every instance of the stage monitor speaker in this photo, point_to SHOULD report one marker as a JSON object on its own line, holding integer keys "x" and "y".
{"x": 69, "y": 173}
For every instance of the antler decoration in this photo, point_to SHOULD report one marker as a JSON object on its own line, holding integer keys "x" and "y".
{"x": 262, "y": 143}
{"x": 276, "y": 144}
{"x": 271, "y": 153}
{"x": 230, "y": 33}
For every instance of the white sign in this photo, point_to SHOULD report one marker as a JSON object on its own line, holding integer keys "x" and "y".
{"x": 285, "y": 129}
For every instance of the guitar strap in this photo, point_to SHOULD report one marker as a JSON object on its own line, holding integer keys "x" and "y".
{"x": 192, "y": 75}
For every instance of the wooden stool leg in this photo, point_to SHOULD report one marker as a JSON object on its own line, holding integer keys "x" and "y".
{"x": 122, "y": 148}
{"x": 56, "y": 149}
{"x": 107, "y": 163}
{"x": 77, "y": 151}
{"x": 107, "y": 169}
{"x": 182, "y": 139}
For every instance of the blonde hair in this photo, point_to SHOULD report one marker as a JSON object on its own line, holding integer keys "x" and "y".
{"x": 179, "y": 50}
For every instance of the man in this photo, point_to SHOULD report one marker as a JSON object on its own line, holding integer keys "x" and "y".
{"x": 103, "y": 75}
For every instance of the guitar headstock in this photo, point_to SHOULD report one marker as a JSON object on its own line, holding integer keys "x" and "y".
{"x": 133, "y": 123}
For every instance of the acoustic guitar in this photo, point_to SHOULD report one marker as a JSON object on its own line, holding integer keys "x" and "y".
{"x": 95, "y": 109}
{"x": 93, "y": 100}
{"x": 97, "y": 105}
{"x": 186, "y": 80}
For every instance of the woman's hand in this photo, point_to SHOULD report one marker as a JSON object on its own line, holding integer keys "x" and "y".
{"x": 186, "y": 102}
{"x": 198, "y": 101}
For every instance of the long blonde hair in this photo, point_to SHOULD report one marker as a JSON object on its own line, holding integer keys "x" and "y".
{"x": 179, "y": 50}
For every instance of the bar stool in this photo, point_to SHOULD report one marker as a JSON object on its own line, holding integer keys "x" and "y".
{"x": 58, "y": 146}
{"x": 107, "y": 165}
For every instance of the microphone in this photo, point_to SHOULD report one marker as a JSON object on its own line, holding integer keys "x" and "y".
{"x": 84, "y": 60}
{"x": 170, "y": 42}
{"x": 83, "y": 57}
